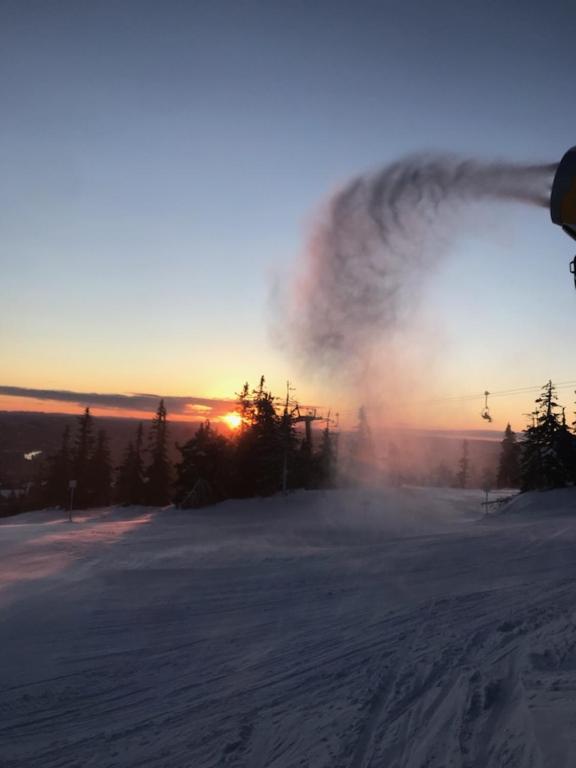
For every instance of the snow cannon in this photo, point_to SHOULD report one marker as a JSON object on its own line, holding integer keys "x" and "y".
{"x": 563, "y": 199}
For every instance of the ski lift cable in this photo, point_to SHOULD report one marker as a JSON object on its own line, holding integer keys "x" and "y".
{"x": 480, "y": 395}
{"x": 502, "y": 392}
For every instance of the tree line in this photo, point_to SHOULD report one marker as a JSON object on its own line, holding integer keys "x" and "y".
{"x": 545, "y": 457}
{"x": 542, "y": 457}
{"x": 81, "y": 471}
{"x": 266, "y": 455}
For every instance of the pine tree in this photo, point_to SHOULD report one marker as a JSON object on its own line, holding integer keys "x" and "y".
{"x": 259, "y": 454}
{"x": 204, "y": 474}
{"x": 268, "y": 444}
{"x": 544, "y": 456}
{"x": 81, "y": 459}
{"x": 326, "y": 459}
{"x": 245, "y": 407}
{"x": 158, "y": 475}
{"x": 289, "y": 441}
{"x": 130, "y": 483}
{"x": 463, "y": 467}
{"x": 137, "y": 484}
{"x": 509, "y": 464}
{"x": 362, "y": 454}
{"x": 531, "y": 457}
{"x": 244, "y": 485}
{"x": 123, "y": 492}
{"x": 101, "y": 472}
{"x": 59, "y": 474}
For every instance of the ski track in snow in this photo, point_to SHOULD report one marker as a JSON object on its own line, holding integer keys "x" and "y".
{"x": 339, "y": 629}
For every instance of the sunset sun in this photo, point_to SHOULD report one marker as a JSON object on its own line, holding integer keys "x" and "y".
{"x": 232, "y": 420}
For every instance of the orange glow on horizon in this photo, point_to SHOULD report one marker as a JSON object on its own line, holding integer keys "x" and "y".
{"x": 232, "y": 420}
{"x": 416, "y": 413}
{"x": 32, "y": 405}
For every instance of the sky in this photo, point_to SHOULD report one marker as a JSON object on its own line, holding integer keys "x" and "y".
{"x": 162, "y": 164}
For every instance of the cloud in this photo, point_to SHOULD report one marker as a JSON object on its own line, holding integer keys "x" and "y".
{"x": 184, "y": 405}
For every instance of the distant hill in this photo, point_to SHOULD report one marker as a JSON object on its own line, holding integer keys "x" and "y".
{"x": 420, "y": 454}
{"x": 23, "y": 433}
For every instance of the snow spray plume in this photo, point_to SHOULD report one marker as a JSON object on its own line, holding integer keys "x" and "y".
{"x": 378, "y": 233}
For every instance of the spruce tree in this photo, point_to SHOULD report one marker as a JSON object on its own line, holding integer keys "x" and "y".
{"x": 81, "y": 459}
{"x": 204, "y": 474}
{"x": 245, "y": 406}
{"x": 260, "y": 445}
{"x": 289, "y": 441}
{"x": 101, "y": 472}
{"x": 463, "y": 467}
{"x": 158, "y": 475}
{"x": 138, "y": 474}
{"x": 124, "y": 476}
{"x": 244, "y": 485}
{"x": 362, "y": 454}
{"x": 59, "y": 473}
{"x": 326, "y": 459}
{"x": 130, "y": 482}
{"x": 544, "y": 457}
{"x": 531, "y": 457}
{"x": 268, "y": 444}
{"x": 509, "y": 464}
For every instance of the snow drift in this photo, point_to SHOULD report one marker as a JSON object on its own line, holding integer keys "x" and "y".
{"x": 274, "y": 633}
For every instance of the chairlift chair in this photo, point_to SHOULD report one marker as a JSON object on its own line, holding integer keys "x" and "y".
{"x": 485, "y": 414}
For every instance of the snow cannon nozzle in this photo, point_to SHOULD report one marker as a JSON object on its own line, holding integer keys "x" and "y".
{"x": 563, "y": 196}
{"x": 563, "y": 199}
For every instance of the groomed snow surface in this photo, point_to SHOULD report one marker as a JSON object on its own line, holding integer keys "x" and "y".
{"x": 338, "y": 629}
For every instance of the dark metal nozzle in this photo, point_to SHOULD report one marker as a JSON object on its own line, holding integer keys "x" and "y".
{"x": 563, "y": 196}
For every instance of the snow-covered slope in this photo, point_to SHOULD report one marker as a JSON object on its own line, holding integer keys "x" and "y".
{"x": 336, "y": 629}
